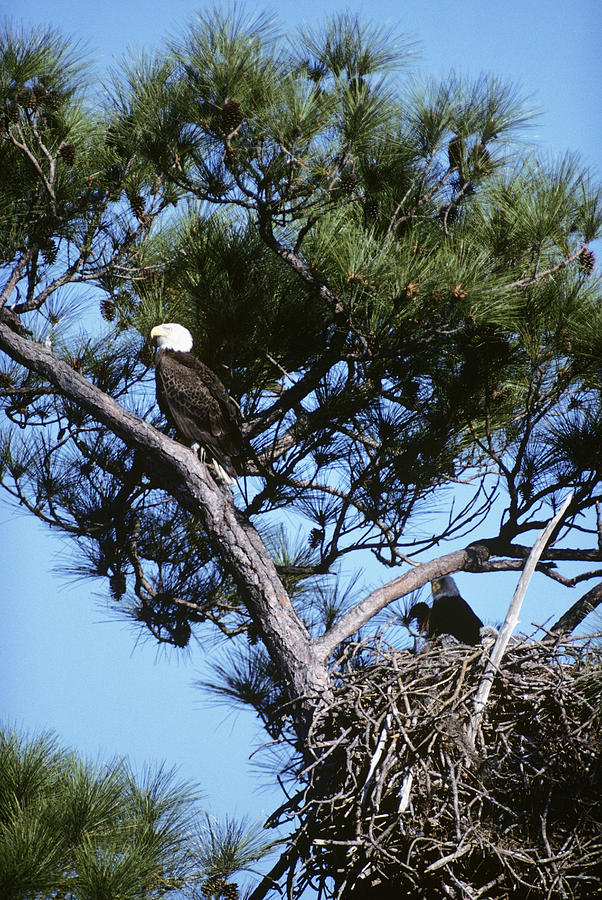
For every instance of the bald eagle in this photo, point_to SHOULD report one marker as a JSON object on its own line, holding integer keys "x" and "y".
{"x": 449, "y": 614}
{"x": 195, "y": 402}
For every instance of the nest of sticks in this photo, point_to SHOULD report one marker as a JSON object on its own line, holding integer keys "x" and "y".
{"x": 400, "y": 794}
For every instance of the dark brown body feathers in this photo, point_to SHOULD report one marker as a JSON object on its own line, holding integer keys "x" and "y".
{"x": 196, "y": 403}
{"x": 448, "y": 615}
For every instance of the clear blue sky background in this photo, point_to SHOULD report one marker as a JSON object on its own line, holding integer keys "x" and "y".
{"x": 65, "y": 664}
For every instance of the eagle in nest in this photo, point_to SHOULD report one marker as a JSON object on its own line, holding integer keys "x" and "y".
{"x": 449, "y": 614}
{"x": 195, "y": 402}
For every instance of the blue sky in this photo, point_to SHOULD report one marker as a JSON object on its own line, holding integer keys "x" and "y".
{"x": 65, "y": 663}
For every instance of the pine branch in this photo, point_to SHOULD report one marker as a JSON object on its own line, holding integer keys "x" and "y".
{"x": 74, "y": 275}
{"x": 537, "y": 276}
{"x": 17, "y": 273}
{"x": 293, "y": 396}
{"x": 48, "y": 182}
{"x": 352, "y": 621}
{"x": 501, "y": 546}
{"x": 296, "y": 263}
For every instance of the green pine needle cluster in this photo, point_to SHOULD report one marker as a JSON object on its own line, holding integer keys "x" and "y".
{"x": 70, "y": 828}
{"x": 91, "y": 831}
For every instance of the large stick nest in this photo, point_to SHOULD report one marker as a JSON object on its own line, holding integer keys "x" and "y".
{"x": 397, "y": 796}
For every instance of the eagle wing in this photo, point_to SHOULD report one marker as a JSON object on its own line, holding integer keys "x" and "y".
{"x": 453, "y": 615}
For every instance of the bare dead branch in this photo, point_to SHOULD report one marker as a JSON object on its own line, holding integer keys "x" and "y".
{"x": 510, "y": 621}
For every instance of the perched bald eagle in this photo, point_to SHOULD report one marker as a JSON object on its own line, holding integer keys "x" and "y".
{"x": 195, "y": 402}
{"x": 449, "y": 614}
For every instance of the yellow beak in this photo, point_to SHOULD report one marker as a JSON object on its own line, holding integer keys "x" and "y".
{"x": 158, "y": 331}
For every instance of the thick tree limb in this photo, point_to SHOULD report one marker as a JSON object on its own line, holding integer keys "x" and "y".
{"x": 349, "y": 624}
{"x": 332, "y": 301}
{"x": 502, "y": 547}
{"x": 232, "y": 537}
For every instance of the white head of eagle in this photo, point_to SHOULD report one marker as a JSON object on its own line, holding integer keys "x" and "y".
{"x": 172, "y": 336}
{"x": 194, "y": 401}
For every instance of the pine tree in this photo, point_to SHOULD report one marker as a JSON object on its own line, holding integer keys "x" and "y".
{"x": 400, "y": 299}
{"x": 71, "y": 828}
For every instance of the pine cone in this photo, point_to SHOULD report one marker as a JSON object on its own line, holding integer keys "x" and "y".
{"x": 117, "y": 585}
{"x": 587, "y": 260}
{"x": 371, "y": 207}
{"x": 213, "y": 885}
{"x": 107, "y": 308}
{"x": 180, "y": 634}
{"x": 316, "y": 536}
{"x": 231, "y": 116}
{"x": 231, "y": 161}
{"x": 40, "y": 92}
{"x": 145, "y": 355}
{"x": 137, "y": 204}
{"x": 114, "y": 173}
{"x": 68, "y": 154}
{"x": 52, "y": 100}
{"x": 26, "y": 98}
{"x": 49, "y": 251}
{"x": 348, "y": 181}
{"x": 230, "y": 891}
